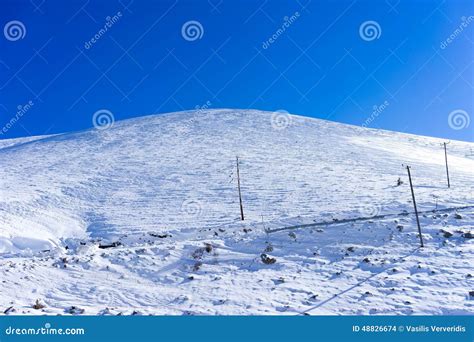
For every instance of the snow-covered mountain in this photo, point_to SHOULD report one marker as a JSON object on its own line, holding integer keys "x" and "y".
{"x": 162, "y": 190}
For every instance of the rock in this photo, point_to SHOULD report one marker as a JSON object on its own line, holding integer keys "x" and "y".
{"x": 282, "y": 308}
{"x": 471, "y": 293}
{"x": 399, "y": 227}
{"x": 160, "y": 236}
{"x": 446, "y": 234}
{"x": 278, "y": 281}
{"x": 468, "y": 235}
{"x": 105, "y": 312}
{"x": 74, "y": 310}
{"x": 208, "y": 247}
{"x": 269, "y": 248}
{"x": 111, "y": 245}
{"x": 457, "y": 216}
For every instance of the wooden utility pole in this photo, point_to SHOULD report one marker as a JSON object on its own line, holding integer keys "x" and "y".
{"x": 414, "y": 204}
{"x": 446, "y": 159}
{"x": 240, "y": 193}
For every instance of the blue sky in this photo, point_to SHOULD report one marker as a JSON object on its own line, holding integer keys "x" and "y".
{"x": 406, "y": 77}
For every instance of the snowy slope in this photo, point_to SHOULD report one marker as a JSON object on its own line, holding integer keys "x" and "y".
{"x": 164, "y": 186}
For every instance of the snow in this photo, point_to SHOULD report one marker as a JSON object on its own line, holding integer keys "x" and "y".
{"x": 143, "y": 218}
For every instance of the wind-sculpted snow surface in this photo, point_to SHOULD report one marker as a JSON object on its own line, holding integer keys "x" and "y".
{"x": 144, "y": 216}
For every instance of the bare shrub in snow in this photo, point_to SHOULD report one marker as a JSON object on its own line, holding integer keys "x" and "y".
{"x": 197, "y": 266}
{"x": 266, "y": 259}
{"x": 38, "y": 305}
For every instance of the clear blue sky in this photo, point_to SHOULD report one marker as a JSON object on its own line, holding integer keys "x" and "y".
{"x": 319, "y": 66}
